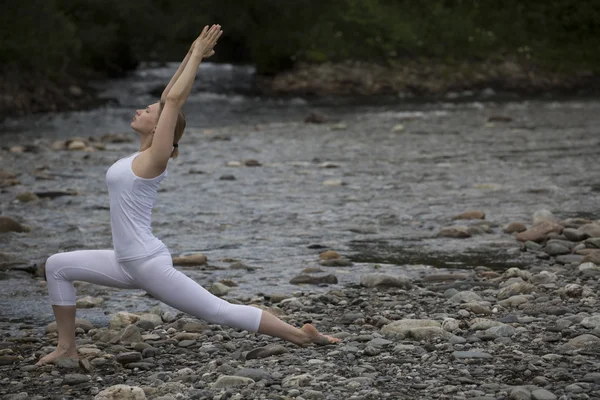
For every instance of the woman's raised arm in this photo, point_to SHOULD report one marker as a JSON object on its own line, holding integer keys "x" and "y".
{"x": 165, "y": 92}
{"x": 162, "y": 142}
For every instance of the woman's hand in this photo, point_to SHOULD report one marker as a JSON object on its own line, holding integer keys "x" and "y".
{"x": 207, "y": 40}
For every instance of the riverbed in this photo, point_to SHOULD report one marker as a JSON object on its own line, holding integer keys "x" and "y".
{"x": 375, "y": 182}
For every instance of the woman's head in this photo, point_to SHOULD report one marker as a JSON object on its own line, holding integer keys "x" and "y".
{"x": 145, "y": 121}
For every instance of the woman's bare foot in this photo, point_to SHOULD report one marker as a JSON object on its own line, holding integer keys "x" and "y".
{"x": 315, "y": 337}
{"x": 58, "y": 353}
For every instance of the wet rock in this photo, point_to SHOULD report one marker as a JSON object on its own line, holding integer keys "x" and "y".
{"x": 252, "y": 163}
{"x": 151, "y": 319}
{"x": 314, "y": 280}
{"x": 129, "y": 357}
{"x": 459, "y": 355}
{"x": 593, "y": 243}
{"x": 336, "y": 262}
{"x": 539, "y": 232}
{"x": 541, "y": 216}
{"x": 582, "y": 340}
{"x": 333, "y": 182}
{"x": 472, "y": 214}
{"x": 519, "y": 393}
{"x": 465, "y": 297}
{"x": 315, "y": 117}
{"x": 75, "y": 145}
{"x": 384, "y": 280}
{"x": 75, "y": 379}
{"x": 190, "y": 260}
{"x": 7, "y": 224}
{"x": 591, "y": 258}
{"x": 590, "y": 230}
{"x": 26, "y": 197}
{"x": 8, "y": 360}
{"x": 569, "y": 259}
{"x": 79, "y": 323}
{"x": 267, "y": 351}
{"x": 123, "y": 319}
{"x": 297, "y": 381}
{"x": 52, "y": 194}
{"x": 455, "y": 232}
{"x": 121, "y": 392}
{"x": 543, "y": 278}
{"x": 329, "y": 255}
{"x": 574, "y": 235}
{"x": 514, "y": 289}
{"x": 476, "y": 308}
{"x": 89, "y": 302}
{"x": 555, "y": 249}
{"x": 450, "y": 325}
{"x": 591, "y": 322}
{"x": 131, "y": 334}
{"x": 416, "y": 329}
{"x": 230, "y": 381}
{"x": 542, "y": 394}
{"x": 515, "y": 227}
{"x": 254, "y": 374}
{"x": 219, "y": 289}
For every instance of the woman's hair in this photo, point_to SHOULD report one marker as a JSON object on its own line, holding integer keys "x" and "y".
{"x": 179, "y": 128}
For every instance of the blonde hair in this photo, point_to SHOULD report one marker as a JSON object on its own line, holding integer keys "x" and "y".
{"x": 179, "y": 129}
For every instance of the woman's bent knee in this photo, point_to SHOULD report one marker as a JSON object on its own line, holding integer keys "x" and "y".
{"x": 52, "y": 264}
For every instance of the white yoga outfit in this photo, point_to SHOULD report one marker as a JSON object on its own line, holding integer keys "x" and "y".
{"x": 139, "y": 259}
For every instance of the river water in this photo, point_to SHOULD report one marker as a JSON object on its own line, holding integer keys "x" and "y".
{"x": 377, "y": 188}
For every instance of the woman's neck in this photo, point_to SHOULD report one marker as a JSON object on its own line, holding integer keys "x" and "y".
{"x": 146, "y": 142}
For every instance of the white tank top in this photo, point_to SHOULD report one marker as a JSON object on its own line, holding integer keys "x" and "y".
{"x": 131, "y": 201}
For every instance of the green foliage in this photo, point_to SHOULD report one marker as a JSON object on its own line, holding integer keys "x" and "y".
{"x": 112, "y": 36}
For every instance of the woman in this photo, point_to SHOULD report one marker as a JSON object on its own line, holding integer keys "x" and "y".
{"x": 139, "y": 259}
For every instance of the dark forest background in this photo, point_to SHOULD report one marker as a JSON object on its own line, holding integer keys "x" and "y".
{"x": 54, "y": 39}
{"x": 113, "y": 36}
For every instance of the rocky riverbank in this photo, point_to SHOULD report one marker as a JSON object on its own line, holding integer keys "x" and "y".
{"x": 23, "y": 93}
{"x": 523, "y": 334}
{"x": 339, "y": 223}
{"x": 425, "y": 77}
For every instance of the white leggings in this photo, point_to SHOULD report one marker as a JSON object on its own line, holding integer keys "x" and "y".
{"x": 154, "y": 274}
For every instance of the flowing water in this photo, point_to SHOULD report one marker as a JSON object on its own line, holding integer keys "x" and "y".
{"x": 377, "y": 188}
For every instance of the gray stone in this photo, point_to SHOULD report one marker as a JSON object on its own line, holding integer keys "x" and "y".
{"x": 582, "y": 340}
{"x": 591, "y": 322}
{"x": 219, "y": 289}
{"x": 470, "y": 354}
{"x": 230, "y": 381}
{"x": 121, "y": 392}
{"x": 514, "y": 289}
{"x": 384, "y": 280}
{"x": 313, "y": 395}
{"x": 296, "y": 381}
{"x": 74, "y": 379}
{"x": 502, "y": 331}
{"x": 542, "y": 394}
{"x": 574, "y": 235}
{"x": 555, "y": 249}
{"x": 519, "y": 393}
{"x": 314, "y": 279}
{"x": 267, "y": 351}
{"x": 131, "y": 334}
{"x": 67, "y": 363}
{"x": 465, "y": 297}
{"x": 89, "y": 302}
{"x": 128, "y": 357}
{"x": 254, "y": 374}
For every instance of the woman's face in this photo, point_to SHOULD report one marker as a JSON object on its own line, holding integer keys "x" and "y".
{"x": 144, "y": 121}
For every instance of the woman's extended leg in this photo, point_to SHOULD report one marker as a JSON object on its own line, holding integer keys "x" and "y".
{"x": 94, "y": 266}
{"x": 157, "y": 276}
